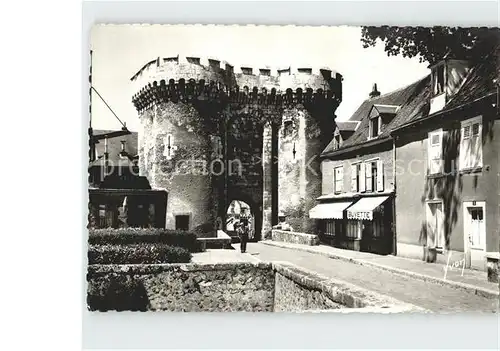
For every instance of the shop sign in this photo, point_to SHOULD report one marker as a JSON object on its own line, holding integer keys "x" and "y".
{"x": 367, "y": 215}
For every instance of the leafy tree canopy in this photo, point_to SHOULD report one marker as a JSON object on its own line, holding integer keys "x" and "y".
{"x": 432, "y": 44}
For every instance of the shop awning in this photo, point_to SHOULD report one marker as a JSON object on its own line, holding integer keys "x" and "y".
{"x": 333, "y": 210}
{"x": 363, "y": 209}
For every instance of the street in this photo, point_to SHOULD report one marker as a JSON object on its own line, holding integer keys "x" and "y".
{"x": 431, "y": 296}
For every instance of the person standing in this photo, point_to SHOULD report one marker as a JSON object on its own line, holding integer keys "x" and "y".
{"x": 243, "y": 233}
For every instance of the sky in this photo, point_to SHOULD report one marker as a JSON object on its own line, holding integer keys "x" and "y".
{"x": 119, "y": 51}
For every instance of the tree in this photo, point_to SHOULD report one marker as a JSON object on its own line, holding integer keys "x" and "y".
{"x": 431, "y": 44}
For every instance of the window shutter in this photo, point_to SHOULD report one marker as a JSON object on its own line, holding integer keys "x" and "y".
{"x": 354, "y": 173}
{"x": 380, "y": 175}
{"x": 476, "y": 145}
{"x": 341, "y": 177}
{"x": 362, "y": 178}
{"x": 466, "y": 147}
{"x": 369, "y": 177}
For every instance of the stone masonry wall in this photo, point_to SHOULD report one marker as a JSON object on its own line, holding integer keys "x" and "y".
{"x": 226, "y": 287}
{"x": 186, "y": 174}
{"x": 193, "y": 287}
{"x": 292, "y": 297}
{"x": 298, "y": 289}
{"x": 294, "y": 237}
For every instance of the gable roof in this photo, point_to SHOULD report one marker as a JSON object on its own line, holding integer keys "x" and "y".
{"x": 347, "y": 126}
{"x": 115, "y": 146}
{"x": 413, "y": 101}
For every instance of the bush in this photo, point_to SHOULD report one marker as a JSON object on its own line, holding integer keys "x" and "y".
{"x": 124, "y": 236}
{"x": 137, "y": 254}
{"x": 116, "y": 292}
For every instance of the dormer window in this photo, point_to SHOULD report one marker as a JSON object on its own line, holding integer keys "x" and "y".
{"x": 337, "y": 143}
{"x": 438, "y": 79}
{"x": 447, "y": 77}
{"x": 375, "y": 124}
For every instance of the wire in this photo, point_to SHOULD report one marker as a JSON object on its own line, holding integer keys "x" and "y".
{"x": 124, "y": 126}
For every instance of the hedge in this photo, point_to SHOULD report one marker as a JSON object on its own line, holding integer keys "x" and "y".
{"x": 187, "y": 240}
{"x": 116, "y": 292}
{"x": 137, "y": 254}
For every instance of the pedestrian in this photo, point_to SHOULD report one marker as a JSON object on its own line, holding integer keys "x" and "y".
{"x": 242, "y": 231}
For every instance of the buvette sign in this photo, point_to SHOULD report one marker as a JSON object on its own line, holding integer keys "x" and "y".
{"x": 365, "y": 215}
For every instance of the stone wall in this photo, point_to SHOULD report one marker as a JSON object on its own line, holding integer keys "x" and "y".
{"x": 226, "y": 287}
{"x": 196, "y": 287}
{"x": 298, "y": 289}
{"x": 294, "y": 237}
{"x": 292, "y": 297}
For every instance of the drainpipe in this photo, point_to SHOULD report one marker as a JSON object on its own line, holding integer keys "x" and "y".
{"x": 106, "y": 158}
{"x": 394, "y": 237}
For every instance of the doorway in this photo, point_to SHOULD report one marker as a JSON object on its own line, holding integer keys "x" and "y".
{"x": 474, "y": 234}
{"x": 435, "y": 226}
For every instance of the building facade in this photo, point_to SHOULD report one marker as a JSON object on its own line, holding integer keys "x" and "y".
{"x": 118, "y": 196}
{"x": 356, "y": 210}
{"x": 212, "y": 133}
{"x": 448, "y": 202}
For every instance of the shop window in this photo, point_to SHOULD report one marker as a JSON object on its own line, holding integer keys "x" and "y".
{"x": 354, "y": 228}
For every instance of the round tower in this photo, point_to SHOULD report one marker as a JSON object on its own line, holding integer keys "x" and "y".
{"x": 212, "y": 133}
{"x": 176, "y": 98}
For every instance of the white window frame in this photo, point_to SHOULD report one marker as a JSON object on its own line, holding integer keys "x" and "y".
{"x": 465, "y": 162}
{"x": 340, "y": 180}
{"x": 431, "y": 150}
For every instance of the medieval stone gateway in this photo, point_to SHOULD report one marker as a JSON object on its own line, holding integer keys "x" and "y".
{"x": 212, "y": 133}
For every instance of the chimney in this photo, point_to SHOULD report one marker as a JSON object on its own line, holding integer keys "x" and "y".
{"x": 374, "y": 93}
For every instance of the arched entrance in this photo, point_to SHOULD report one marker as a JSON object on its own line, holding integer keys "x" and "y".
{"x": 244, "y": 182}
{"x": 235, "y": 211}
{"x": 237, "y": 205}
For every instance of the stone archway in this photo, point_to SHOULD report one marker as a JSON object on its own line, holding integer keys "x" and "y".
{"x": 254, "y": 207}
{"x": 244, "y": 143}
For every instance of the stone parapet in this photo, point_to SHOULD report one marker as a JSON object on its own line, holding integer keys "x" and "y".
{"x": 191, "y": 77}
{"x": 294, "y": 237}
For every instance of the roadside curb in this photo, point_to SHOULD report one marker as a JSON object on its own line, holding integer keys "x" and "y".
{"x": 467, "y": 287}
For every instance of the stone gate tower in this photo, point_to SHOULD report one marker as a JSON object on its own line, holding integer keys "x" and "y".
{"x": 212, "y": 133}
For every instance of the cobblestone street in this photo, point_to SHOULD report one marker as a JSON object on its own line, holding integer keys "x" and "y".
{"x": 429, "y": 295}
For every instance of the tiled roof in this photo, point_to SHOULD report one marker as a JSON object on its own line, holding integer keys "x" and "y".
{"x": 480, "y": 80}
{"x": 115, "y": 146}
{"x": 413, "y": 101}
{"x": 478, "y": 83}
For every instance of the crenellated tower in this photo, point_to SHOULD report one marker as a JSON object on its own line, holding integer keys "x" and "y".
{"x": 212, "y": 133}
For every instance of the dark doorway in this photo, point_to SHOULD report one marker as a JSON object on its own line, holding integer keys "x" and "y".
{"x": 182, "y": 222}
